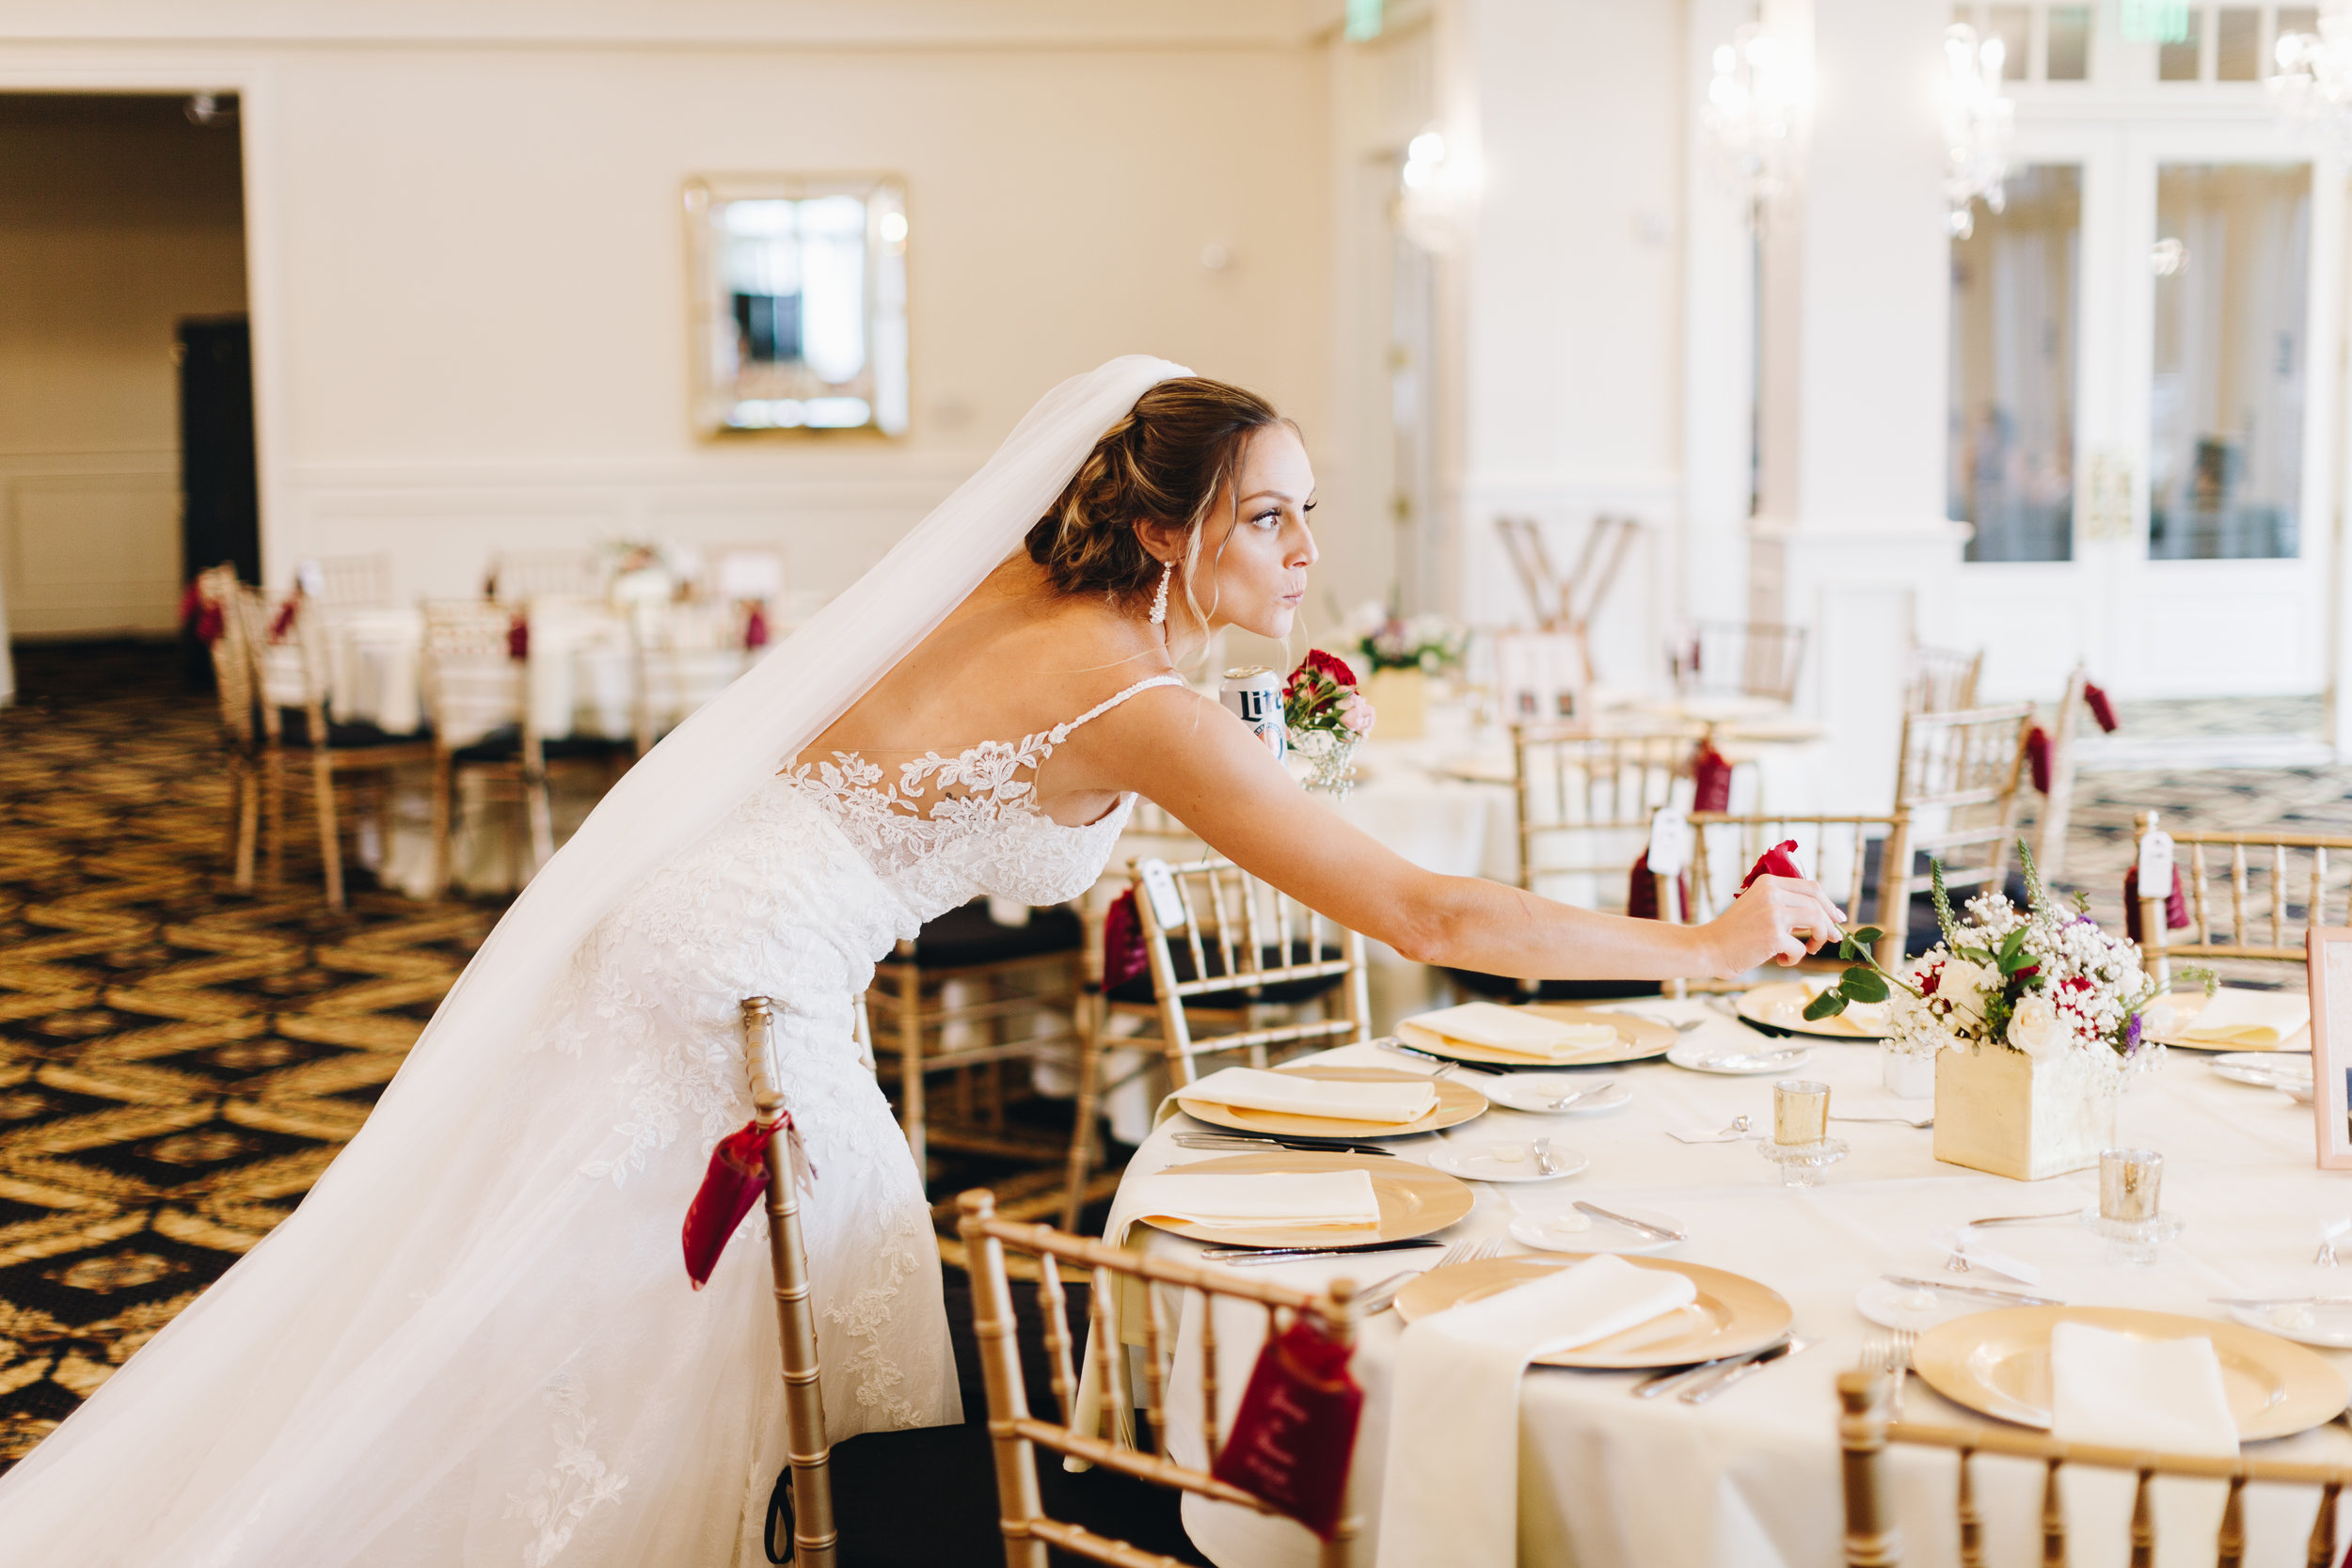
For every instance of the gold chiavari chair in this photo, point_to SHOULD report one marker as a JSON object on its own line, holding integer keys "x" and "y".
{"x": 1749, "y": 658}
{"x": 966, "y": 996}
{"x": 478, "y": 694}
{"x": 815, "y": 1539}
{"x": 287, "y": 648}
{"x": 518, "y": 577}
{"x": 1017, "y": 1434}
{"x": 1873, "y": 1541}
{"x": 1836, "y": 848}
{"x": 1942, "y": 680}
{"x": 240, "y": 735}
{"x": 348, "y": 581}
{"x": 2057, "y": 807}
{"x": 1243, "y": 957}
{"x": 2253, "y": 855}
{"x": 1957, "y": 779}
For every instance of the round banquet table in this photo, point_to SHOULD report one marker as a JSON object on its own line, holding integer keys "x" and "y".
{"x": 1751, "y": 1478}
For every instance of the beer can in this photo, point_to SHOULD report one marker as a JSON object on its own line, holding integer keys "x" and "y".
{"x": 1255, "y": 695}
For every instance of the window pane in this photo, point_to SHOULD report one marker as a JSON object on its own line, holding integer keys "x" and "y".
{"x": 2068, "y": 47}
{"x": 2011, "y": 452}
{"x": 2225, "y": 465}
{"x": 2177, "y": 62}
{"x": 2013, "y": 26}
{"x": 2237, "y": 42}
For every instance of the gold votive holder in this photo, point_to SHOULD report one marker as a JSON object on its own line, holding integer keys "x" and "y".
{"x": 1800, "y": 1112}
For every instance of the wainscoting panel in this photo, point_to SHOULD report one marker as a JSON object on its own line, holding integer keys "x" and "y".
{"x": 90, "y": 545}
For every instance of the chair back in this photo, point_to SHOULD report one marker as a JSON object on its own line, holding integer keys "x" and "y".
{"x": 1942, "y": 680}
{"x": 681, "y": 656}
{"x": 1567, "y": 601}
{"x": 1585, "y": 803}
{"x": 348, "y": 581}
{"x": 1242, "y": 937}
{"x": 1873, "y": 1541}
{"x": 285, "y": 647}
{"x": 1749, "y": 658}
{"x": 473, "y": 685}
{"x": 518, "y": 577}
{"x": 1957, "y": 779}
{"x": 1017, "y": 1434}
{"x": 815, "y": 1538}
{"x": 1834, "y": 849}
{"x": 232, "y": 658}
{"x": 2057, "y": 807}
{"x": 1541, "y": 677}
{"x": 2280, "y": 886}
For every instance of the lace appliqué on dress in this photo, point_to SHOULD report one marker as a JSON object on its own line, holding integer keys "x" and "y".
{"x": 863, "y": 1316}
{"x": 556, "y": 1499}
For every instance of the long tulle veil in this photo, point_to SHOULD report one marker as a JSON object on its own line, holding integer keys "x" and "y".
{"x": 217, "y": 1435}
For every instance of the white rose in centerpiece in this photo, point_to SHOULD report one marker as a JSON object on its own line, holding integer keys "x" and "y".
{"x": 2036, "y": 1029}
{"x": 1964, "y": 985}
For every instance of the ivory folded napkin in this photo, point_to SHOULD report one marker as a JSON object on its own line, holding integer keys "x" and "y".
{"x": 1337, "y": 1200}
{"x": 1300, "y": 1095}
{"x": 1512, "y": 1029}
{"x": 1452, "y": 1489}
{"x": 2249, "y": 1017}
{"x": 2156, "y": 1394}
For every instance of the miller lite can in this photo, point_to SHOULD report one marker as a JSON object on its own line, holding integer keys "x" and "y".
{"x": 1255, "y": 695}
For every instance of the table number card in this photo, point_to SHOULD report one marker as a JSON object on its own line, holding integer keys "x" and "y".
{"x": 2329, "y": 966}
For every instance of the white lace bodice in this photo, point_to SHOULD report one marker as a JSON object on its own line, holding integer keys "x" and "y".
{"x": 949, "y": 828}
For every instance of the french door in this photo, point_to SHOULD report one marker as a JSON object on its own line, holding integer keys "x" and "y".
{"x": 2143, "y": 410}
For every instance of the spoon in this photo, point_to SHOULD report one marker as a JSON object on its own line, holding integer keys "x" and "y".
{"x": 1544, "y": 1162}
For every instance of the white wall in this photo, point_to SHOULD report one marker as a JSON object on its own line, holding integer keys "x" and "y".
{"x": 468, "y": 252}
{"x": 117, "y": 219}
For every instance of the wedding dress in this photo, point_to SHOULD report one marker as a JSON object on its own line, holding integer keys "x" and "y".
{"x": 474, "y": 1341}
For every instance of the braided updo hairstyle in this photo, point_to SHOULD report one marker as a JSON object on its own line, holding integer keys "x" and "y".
{"x": 1166, "y": 460}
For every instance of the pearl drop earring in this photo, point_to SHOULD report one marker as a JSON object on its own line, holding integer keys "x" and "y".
{"x": 1159, "y": 600}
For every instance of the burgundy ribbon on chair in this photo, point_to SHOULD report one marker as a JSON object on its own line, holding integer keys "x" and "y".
{"x": 200, "y": 615}
{"x": 1710, "y": 779}
{"x": 1294, "y": 1436}
{"x": 2038, "y": 757}
{"x": 1641, "y": 893}
{"x": 2101, "y": 709}
{"x": 756, "y": 630}
{"x": 1123, "y": 952}
{"x": 518, "y": 636}
{"x": 2175, "y": 905}
{"x": 737, "y": 1178}
{"x": 1779, "y": 861}
{"x": 284, "y": 621}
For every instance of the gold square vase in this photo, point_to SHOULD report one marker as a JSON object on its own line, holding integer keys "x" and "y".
{"x": 2002, "y": 1110}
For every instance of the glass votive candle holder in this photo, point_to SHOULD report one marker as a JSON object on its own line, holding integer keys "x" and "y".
{"x": 1800, "y": 1112}
{"x": 2130, "y": 1183}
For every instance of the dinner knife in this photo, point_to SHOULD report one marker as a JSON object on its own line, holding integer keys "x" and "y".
{"x": 2007, "y": 1298}
{"x": 1402, "y": 1050}
{"x": 1254, "y": 1140}
{"x": 1746, "y": 1368}
{"x": 1675, "y": 1377}
{"x": 1766, "y": 1029}
{"x": 1275, "y": 1254}
{"x": 1655, "y": 1232}
{"x": 2281, "y": 1301}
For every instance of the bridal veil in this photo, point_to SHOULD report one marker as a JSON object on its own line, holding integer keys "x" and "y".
{"x": 351, "y": 1341}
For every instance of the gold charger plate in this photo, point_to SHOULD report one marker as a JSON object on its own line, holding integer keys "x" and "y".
{"x": 1638, "y": 1040}
{"x": 1414, "y": 1200}
{"x": 1731, "y": 1315}
{"x": 1997, "y": 1363}
{"x": 1781, "y": 1006}
{"x": 1457, "y": 1104}
{"x": 2188, "y": 1005}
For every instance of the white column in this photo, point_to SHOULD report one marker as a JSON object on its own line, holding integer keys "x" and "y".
{"x": 1852, "y": 537}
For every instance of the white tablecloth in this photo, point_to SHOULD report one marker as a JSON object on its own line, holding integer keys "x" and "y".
{"x": 1750, "y": 1480}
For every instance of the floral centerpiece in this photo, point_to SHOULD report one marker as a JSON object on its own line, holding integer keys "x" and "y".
{"x": 1327, "y": 718}
{"x": 1403, "y": 654}
{"x": 2031, "y": 1016}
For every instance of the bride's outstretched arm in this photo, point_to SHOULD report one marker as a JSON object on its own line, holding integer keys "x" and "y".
{"x": 1203, "y": 766}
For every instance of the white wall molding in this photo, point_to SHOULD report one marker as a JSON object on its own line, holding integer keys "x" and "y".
{"x": 89, "y": 543}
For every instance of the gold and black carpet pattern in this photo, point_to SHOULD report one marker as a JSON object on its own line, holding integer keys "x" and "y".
{"x": 178, "y": 1061}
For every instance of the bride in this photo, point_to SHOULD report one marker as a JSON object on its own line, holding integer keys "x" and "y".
{"x": 474, "y": 1341}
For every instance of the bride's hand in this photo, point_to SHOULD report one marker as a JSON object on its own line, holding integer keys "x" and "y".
{"x": 1782, "y": 918}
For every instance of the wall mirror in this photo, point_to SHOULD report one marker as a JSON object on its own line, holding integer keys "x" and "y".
{"x": 800, "y": 303}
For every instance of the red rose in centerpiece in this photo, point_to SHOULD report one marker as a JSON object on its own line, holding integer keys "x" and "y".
{"x": 1330, "y": 664}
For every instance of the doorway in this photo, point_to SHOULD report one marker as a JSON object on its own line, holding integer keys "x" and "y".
{"x": 122, "y": 235}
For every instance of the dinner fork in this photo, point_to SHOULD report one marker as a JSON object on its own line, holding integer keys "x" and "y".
{"x": 1379, "y": 1298}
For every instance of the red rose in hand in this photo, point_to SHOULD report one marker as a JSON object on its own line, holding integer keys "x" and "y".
{"x": 1779, "y": 861}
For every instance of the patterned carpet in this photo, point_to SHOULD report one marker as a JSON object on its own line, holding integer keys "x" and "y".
{"x": 178, "y": 1061}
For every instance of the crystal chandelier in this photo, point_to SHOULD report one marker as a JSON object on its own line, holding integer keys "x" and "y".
{"x": 1752, "y": 103}
{"x": 1437, "y": 189}
{"x": 1977, "y": 125}
{"x": 2312, "y": 91}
